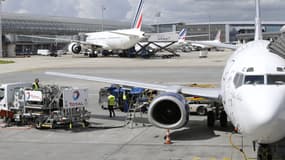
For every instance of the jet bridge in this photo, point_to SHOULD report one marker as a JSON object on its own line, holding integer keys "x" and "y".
{"x": 158, "y": 42}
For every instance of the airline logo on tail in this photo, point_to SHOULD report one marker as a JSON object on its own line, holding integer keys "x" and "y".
{"x": 182, "y": 34}
{"x": 138, "y": 18}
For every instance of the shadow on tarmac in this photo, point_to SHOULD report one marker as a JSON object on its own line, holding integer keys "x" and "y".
{"x": 195, "y": 130}
{"x": 198, "y": 130}
{"x": 120, "y": 118}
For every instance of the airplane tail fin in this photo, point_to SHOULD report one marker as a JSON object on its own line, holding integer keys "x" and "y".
{"x": 258, "y": 30}
{"x": 218, "y": 36}
{"x": 139, "y": 16}
{"x": 182, "y": 34}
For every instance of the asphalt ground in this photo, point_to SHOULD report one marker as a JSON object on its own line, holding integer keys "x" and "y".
{"x": 110, "y": 138}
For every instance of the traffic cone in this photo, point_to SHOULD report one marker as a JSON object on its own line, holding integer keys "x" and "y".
{"x": 167, "y": 139}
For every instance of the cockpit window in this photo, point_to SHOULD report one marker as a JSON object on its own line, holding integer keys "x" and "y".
{"x": 254, "y": 79}
{"x": 238, "y": 79}
{"x": 276, "y": 79}
{"x": 2, "y": 91}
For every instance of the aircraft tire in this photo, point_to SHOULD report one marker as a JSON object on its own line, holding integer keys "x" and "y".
{"x": 201, "y": 111}
{"x": 264, "y": 152}
{"x": 223, "y": 119}
{"x": 210, "y": 119}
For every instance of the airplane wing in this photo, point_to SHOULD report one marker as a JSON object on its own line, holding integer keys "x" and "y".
{"x": 65, "y": 40}
{"x": 212, "y": 93}
{"x": 216, "y": 44}
{"x": 124, "y": 34}
{"x": 194, "y": 36}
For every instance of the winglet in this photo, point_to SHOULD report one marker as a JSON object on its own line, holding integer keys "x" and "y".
{"x": 139, "y": 16}
{"x": 258, "y": 30}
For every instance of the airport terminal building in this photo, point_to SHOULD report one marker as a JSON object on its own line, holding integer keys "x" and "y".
{"x": 232, "y": 31}
{"x": 14, "y": 25}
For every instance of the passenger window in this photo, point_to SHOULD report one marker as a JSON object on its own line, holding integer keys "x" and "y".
{"x": 238, "y": 79}
{"x": 254, "y": 79}
{"x": 276, "y": 79}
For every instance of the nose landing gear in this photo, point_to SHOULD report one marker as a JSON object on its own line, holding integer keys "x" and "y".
{"x": 264, "y": 152}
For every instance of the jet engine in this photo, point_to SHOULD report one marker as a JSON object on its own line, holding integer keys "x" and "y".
{"x": 169, "y": 111}
{"x": 74, "y": 48}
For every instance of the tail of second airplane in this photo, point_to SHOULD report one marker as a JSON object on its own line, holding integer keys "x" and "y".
{"x": 218, "y": 36}
{"x": 182, "y": 35}
{"x": 139, "y": 16}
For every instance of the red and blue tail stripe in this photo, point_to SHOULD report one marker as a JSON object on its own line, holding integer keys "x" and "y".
{"x": 138, "y": 18}
{"x": 182, "y": 34}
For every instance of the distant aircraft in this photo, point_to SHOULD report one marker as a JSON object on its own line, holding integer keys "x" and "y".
{"x": 252, "y": 93}
{"x": 108, "y": 41}
{"x": 212, "y": 43}
{"x": 200, "y": 46}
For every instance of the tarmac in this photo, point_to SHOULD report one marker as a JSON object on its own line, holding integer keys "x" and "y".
{"x": 110, "y": 138}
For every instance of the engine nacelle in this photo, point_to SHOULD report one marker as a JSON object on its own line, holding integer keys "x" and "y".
{"x": 74, "y": 48}
{"x": 169, "y": 111}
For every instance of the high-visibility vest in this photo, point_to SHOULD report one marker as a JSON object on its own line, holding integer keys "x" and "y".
{"x": 124, "y": 96}
{"x": 111, "y": 100}
{"x": 36, "y": 86}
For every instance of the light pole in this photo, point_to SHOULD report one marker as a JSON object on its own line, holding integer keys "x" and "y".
{"x": 1, "y": 49}
{"x": 209, "y": 27}
{"x": 157, "y": 15}
{"x": 103, "y": 9}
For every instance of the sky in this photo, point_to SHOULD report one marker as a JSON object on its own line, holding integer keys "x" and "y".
{"x": 170, "y": 10}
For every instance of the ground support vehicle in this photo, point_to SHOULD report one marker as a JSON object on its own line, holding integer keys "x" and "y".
{"x": 198, "y": 105}
{"x": 214, "y": 110}
{"x": 133, "y": 96}
{"x": 51, "y": 106}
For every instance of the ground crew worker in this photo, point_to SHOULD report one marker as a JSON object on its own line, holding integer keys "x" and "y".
{"x": 36, "y": 85}
{"x": 111, "y": 104}
{"x": 125, "y": 102}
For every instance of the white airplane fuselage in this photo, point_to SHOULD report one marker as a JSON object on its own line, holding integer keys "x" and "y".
{"x": 115, "y": 40}
{"x": 257, "y": 108}
{"x": 213, "y": 42}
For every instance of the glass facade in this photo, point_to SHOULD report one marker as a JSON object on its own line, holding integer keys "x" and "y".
{"x": 21, "y": 24}
{"x": 236, "y": 31}
{"x": 36, "y": 25}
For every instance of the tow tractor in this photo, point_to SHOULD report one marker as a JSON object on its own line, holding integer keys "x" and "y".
{"x": 50, "y": 107}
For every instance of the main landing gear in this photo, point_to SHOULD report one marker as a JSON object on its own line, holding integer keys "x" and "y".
{"x": 217, "y": 112}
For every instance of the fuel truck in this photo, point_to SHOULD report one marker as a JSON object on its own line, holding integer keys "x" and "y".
{"x": 51, "y": 106}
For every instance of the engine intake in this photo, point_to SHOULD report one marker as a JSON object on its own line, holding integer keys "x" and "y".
{"x": 74, "y": 48}
{"x": 169, "y": 111}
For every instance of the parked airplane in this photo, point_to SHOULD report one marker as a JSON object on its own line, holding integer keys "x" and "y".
{"x": 252, "y": 93}
{"x": 199, "y": 46}
{"x": 123, "y": 40}
{"x": 212, "y": 43}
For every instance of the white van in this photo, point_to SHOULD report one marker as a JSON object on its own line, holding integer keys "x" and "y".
{"x": 43, "y": 52}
